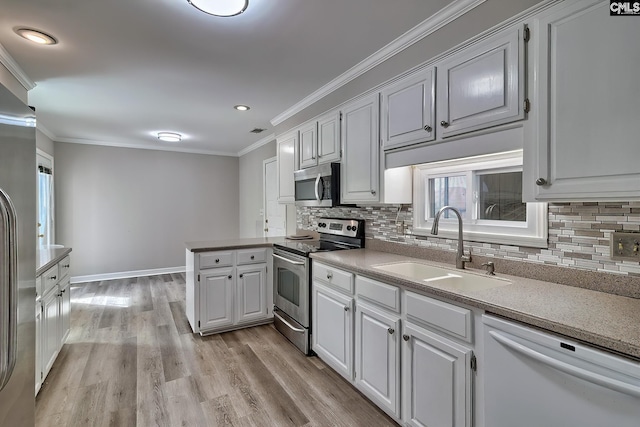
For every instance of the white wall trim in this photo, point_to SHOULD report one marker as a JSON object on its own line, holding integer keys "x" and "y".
{"x": 143, "y": 147}
{"x": 7, "y": 60}
{"x": 126, "y": 274}
{"x": 417, "y": 33}
{"x": 264, "y": 141}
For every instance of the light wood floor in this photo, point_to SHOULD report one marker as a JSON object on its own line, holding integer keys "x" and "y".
{"x": 131, "y": 359}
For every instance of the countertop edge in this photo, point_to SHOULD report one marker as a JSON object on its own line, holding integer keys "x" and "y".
{"x": 626, "y": 348}
{"x": 51, "y": 257}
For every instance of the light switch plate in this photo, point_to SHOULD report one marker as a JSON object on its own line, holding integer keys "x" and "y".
{"x": 625, "y": 246}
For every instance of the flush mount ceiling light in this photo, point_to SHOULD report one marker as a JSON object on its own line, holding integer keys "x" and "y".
{"x": 169, "y": 136}
{"x": 220, "y": 7}
{"x": 241, "y": 107}
{"x": 36, "y": 36}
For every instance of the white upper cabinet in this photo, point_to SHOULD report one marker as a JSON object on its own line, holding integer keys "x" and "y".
{"x": 482, "y": 86}
{"x": 329, "y": 138}
{"x": 320, "y": 141}
{"x": 582, "y": 143}
{"x": 408, "y": 113}
{"x": 360, "y": 172}
{"x": 308, "y": 155}
{"x": 286, "y": 149}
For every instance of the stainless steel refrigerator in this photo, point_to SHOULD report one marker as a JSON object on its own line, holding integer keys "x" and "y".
{"x": 17, "y": 261}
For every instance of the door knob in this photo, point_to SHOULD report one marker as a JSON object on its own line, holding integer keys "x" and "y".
{"x": 428, "y": 128}
{"x": 444, "y": 124}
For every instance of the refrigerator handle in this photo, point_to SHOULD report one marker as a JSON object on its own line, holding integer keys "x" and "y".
{"x": 8, "y": 288}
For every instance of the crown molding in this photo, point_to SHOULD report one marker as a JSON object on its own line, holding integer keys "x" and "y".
{"x": 16, "y": 71}
{"x": 417, "y": 33}
{"x": 145, "y": 147}
{"x": 267, "y": 139}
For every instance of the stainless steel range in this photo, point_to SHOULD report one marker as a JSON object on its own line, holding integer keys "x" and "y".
{"x": 292, "y": 275}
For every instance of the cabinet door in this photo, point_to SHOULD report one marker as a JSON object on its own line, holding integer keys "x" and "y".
{"x": 329, "y": 138}
{"x": 482, "y": 86}
{"x": 584, "y": 141}
{"x": 50, "y": 328}
{"x": 333, "y": 329}
{"x": 408, "y": 113}
{"x": 436, "y": 374}
{"x": 251, "y": 293}
{"x": 308, "y": 155}
{"x": 39, "y": 374}
{"x": 286, "y": 166}
{"x": 216, "y": 298}
{"x": 65, "y": 309}
{"x": 378, "y": 357}
{"x": 360, "y": 173}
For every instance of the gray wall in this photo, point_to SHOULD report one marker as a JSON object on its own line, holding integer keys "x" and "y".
{"x": 483, "y": 17}
{"x": 251, "y": 188}
{"x": 44, "y": 143}
{"x": 125, "y": 209}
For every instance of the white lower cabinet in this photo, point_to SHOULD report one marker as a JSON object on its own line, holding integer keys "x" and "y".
{"x": 378, "y": 356}
{"x": 437, "y": 380}
{"x": 332, "y": 321}
{"x": 228, "y": 290}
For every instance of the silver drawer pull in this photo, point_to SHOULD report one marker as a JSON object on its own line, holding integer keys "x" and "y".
{"x": 253, "y": 257}
{"x": 391, "y": 331}
{"x": 52, "y": 278}
{"x": 217, "y": 260}
{"x": 405, "y": 337}
{"x": 289, "y": 325}
{"x": 329, "y": 276}
{"x": 346, "y": 308}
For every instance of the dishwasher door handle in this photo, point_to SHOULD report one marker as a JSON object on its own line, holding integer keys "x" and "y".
{"x": 592, "y": 377}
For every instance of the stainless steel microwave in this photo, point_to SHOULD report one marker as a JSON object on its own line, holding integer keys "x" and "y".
{"x": 318, "y": 186}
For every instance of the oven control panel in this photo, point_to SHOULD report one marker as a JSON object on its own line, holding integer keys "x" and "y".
{"x": 341, "y": 227}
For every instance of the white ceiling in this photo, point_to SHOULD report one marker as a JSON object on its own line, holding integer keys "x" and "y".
{"x": 125, "y": 69}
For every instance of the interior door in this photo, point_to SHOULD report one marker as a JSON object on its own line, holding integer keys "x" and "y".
{"x": 275, "y": 214}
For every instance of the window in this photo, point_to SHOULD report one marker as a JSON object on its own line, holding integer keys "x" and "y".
{"x": 487, "y": 190}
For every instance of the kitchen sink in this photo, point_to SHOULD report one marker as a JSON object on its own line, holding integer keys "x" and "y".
{"x": 443, "y": 277}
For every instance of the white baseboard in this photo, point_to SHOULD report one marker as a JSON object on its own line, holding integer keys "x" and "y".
{"x": 126, "y": 274}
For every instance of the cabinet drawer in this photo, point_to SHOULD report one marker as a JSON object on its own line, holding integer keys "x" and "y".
{"x": 387, "y": 296}
{"x": 64, "y": 266}
{"x": 334, "y": 277}
{"x": 440, "y": 315}
{"x": 50, "y": 278}
{"x": 216, "y": 259}
{"x": 252, "y": 256}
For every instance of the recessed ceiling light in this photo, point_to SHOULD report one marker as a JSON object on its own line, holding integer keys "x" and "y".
{"x": 169, "y": 136}
{"x": 36, "y": 36}
{"x": 220, "y": 7}
{"x": 241, "y": 107}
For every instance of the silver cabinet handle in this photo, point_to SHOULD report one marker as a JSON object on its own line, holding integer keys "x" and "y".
{"x": 405, "y": 337}
{"x": 329, "y": 276}
{"x": 253, "y": 257}
{"x": 444, "y": 124}
{"x": 541, "y": 181}
{"x": 8, "y": 288}
{"x": 391, "y": 331}
{"x": 346, "y": 308}
{"x": 241, "y": 276}
{"x": 217, "y": 260}
{"x": 428, "y": 128}
{"x": 373, "y": 192}
{"x": 52, "y": 278}
{"x": 229, "y": 277}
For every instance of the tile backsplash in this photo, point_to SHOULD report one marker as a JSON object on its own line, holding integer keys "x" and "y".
{"x": 579, "y": 233}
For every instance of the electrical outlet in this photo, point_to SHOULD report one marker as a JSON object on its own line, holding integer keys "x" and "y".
{"x": 625, "y": 246}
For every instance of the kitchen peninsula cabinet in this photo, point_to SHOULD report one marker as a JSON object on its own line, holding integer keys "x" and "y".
{"x": 228, "y": 289}
{"x": 582, "y": 141}
{"x": 53, "y": 312}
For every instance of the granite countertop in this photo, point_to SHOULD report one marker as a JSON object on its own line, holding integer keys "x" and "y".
{"x": 602, "y": 319}
{"x": 47, "y": 258}
{"x": 216, "y": 245}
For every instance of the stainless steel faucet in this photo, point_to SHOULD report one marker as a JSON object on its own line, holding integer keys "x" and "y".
{"x": 461, "y": 258}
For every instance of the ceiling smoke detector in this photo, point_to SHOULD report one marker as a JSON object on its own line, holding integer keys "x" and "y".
{"x": 257, "y": 130}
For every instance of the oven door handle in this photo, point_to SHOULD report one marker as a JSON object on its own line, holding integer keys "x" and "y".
{"x": 289, "y": 325}
{"x": 288, "y": 260}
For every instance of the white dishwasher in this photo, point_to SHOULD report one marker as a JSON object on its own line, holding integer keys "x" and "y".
{"x": 536, "y": 379}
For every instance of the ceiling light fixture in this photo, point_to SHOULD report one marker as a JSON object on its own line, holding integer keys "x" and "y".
{"x": 220, "y": 7}
{"x": 169, "y": 136}
{"x": 36, "y": 36}
{"x": 241, "y": 107}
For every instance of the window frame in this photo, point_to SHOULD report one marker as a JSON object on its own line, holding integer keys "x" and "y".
{"x": 531, "y": 233}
